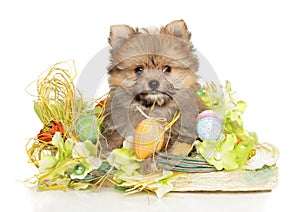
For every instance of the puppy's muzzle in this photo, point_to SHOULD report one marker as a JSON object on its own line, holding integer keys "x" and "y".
{"x": 153, "y": 84}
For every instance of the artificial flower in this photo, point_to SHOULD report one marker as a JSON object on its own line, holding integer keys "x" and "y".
{"x": 86, "y": 152}
{"x": 71, "y": 161}
{"x": 48, "y": 131}
{"x": 48, "y": 161}
{"x": 226, "y": 153}
{"x": 124, "y": 160}
{"x": 264, "y": 154}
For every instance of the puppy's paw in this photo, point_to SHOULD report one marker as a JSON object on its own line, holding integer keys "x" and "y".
{"x": 180, "y": 149}
{"x": 148, "y": 166}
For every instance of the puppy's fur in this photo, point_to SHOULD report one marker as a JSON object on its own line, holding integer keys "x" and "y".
{"x": 152, "y": 67}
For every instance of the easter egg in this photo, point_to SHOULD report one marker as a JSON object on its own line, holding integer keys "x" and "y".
{"x": 148, "y": 138}
{"x": 86, "y": 127}
{"x": 209, "y": 125}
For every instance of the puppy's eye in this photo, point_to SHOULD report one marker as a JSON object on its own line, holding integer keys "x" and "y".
{"x": 139, "y": 70}
{"x": 167, "y": 69}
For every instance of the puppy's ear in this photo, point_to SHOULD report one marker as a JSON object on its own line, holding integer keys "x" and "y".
{"x": 118, "y": 32}
{"x": 177, "y": 28}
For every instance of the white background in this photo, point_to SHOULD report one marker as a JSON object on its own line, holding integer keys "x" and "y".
{"x": 254, "y": 44}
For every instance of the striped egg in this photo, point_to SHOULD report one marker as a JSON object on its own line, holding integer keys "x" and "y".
{"x": 209, "y": 125}
{"x": 86, "y": 128}
{"x": 148, "y": 138}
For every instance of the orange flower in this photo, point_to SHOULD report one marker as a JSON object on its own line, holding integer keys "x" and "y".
{"x": 101, "y": 103}
{"x": 48, "y": 131}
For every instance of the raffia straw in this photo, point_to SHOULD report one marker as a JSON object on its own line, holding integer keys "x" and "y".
{"x": 100, "y": 118}
{"x": 57, "y": 97}
{"x": 36, "y": 149}
{"x": 99, "y": 183}
{"x": 57, "y": 100}
{"x": 168, "y": 126}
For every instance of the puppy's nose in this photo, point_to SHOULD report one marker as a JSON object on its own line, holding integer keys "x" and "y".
{"x": 153, "y": 84}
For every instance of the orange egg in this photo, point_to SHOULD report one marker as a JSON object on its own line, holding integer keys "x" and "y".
{"x": 148, "y": 138}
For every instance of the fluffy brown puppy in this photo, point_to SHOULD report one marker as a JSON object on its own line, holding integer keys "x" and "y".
{"x": 153, "y": 67}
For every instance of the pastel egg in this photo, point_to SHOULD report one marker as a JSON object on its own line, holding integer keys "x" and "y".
{"x": 209, "y": 125}
{"x": 86, "y": 127}
{"x": 148, "y": 138}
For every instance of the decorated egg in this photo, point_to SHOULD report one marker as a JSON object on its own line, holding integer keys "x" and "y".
{"x": 209, "y": 125}
{"x": 86, "y": 127}
{"x": 148, "y": 138}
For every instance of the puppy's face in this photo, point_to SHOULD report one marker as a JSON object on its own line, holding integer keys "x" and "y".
{"x": 152, "y": 64}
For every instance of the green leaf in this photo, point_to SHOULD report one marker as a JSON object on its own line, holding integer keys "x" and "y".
{"x": 91, "y": 148}
{"x": 229, "y": 161}
{"x": 69, "y": 144}
{"x": 47, "y": 162}
{"x": 130, "y": 168}
{"x": 126, "y": 163}
{"x": 241, "y": 105}
{"x": 59, "y": 143}
{"x": 207, "y": 148}
{"x": 97, "y": 110}
{"x": 37, "y": 109}
{"x": 229, "y": 143}
{"x": 80, "y": 151}
{"x": 122, "y": 156}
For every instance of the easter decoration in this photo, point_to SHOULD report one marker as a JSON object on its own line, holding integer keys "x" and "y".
{"x": 148, "y": 137}
{"x": 86, "y": 127}
{"x": 68, "y": 150}
{"x": 209, "y": 125}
